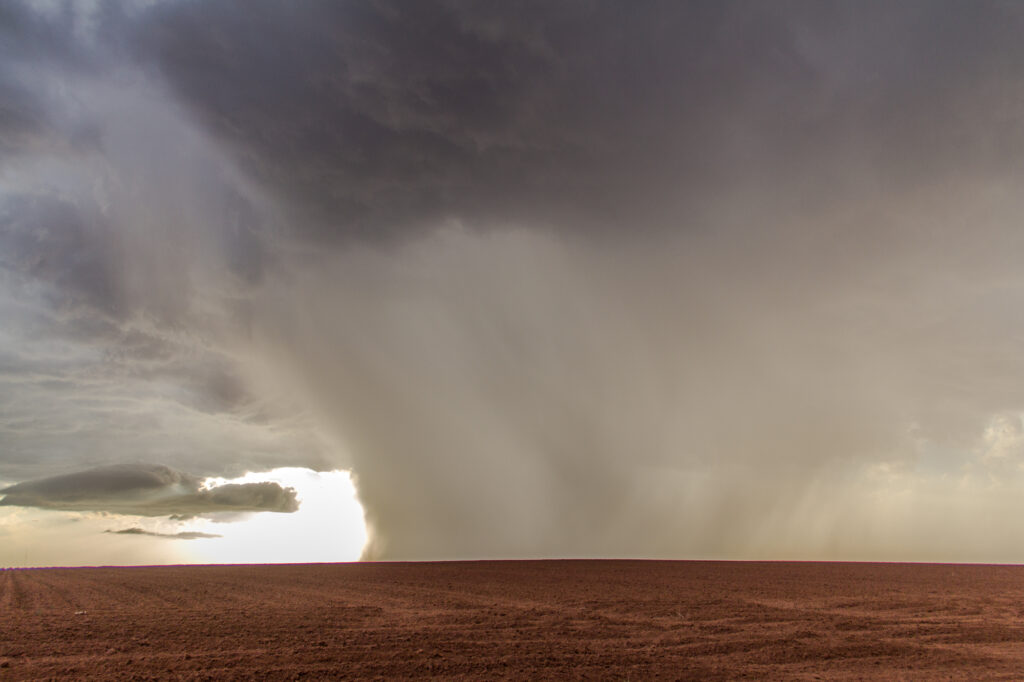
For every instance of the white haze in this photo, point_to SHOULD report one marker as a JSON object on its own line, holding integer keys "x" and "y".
{"x": 510, "y": 393}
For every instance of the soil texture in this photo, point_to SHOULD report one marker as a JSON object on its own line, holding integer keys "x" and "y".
{"x": 515, "y": 619}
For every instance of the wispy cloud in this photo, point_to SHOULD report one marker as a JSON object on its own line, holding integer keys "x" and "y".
{"x": 184, "y": 535}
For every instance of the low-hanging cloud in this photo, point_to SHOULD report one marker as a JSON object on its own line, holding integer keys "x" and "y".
{"x": 145, "y": 490}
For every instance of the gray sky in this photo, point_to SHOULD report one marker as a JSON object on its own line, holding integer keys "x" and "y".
{"x": 667, "y": 279}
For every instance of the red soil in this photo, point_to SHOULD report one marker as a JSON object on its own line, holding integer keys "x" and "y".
{"x": 525, "y": 620}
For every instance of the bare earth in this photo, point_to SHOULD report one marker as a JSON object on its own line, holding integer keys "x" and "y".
{"x": 515, "y": 619}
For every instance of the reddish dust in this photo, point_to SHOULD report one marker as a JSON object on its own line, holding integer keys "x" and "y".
{"x": 515, "y": 619}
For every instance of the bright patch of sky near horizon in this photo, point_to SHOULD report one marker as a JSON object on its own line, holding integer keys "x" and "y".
{"x": 328, "y": 527}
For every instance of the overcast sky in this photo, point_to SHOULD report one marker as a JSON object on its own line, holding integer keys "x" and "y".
{"x": 657, "y": 279}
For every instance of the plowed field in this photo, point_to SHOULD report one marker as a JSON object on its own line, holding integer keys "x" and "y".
{"x": 524, "y": 620}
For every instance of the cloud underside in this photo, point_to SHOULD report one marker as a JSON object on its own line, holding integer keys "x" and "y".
{"x": 143, "y": 490}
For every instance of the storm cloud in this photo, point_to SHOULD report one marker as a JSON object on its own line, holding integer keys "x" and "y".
{"x": 144, "y": 490}
{"x": 377, "y": 118}
{"x": 675, "y": 279}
